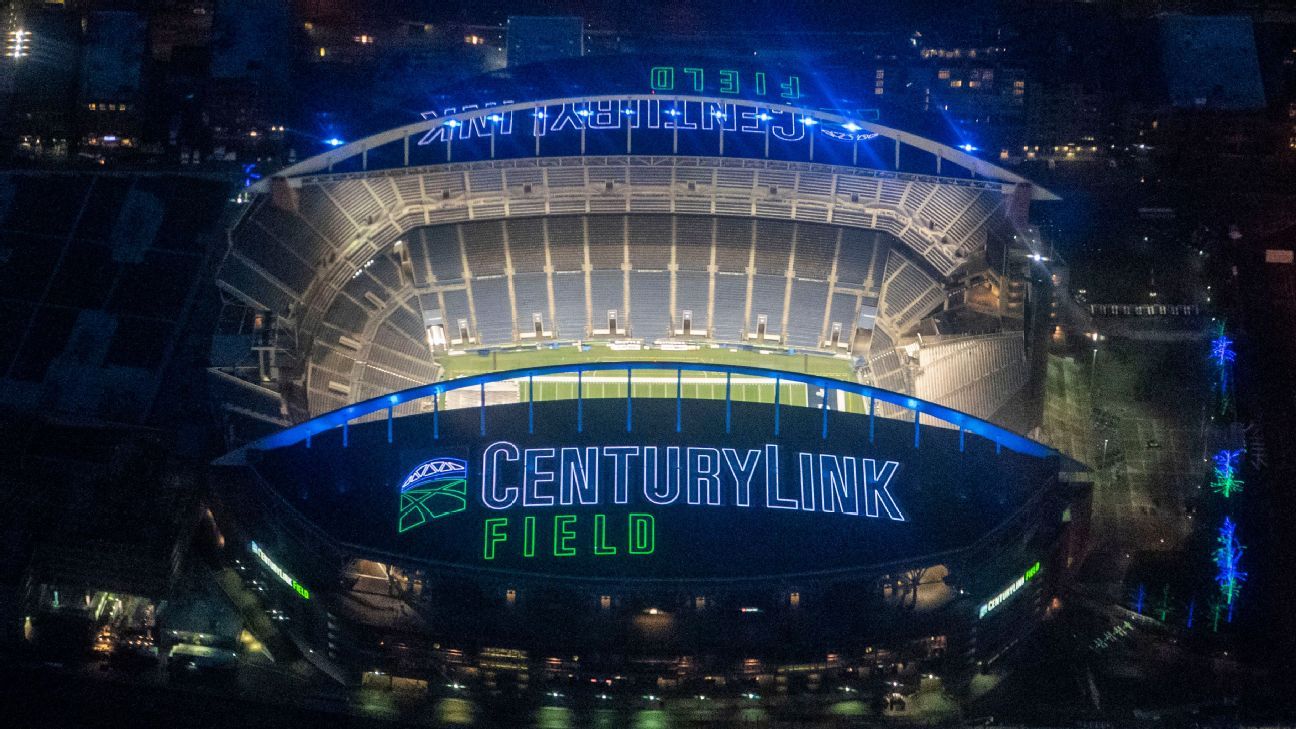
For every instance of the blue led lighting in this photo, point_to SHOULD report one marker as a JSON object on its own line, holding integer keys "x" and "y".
{"x": 1222, "y": 350}
{"x": 453, "y": 123}
{"x": 334, "y": 142}
{"x": 583, "y": 112}
{"x": 495, "y": 117}
{"x": 851, "y": 127}
{"x": 337, "y": 418}
{"x": 810, "y": 121}
{"x": 968, "y": 147}
{"x": 1228, "y": 562}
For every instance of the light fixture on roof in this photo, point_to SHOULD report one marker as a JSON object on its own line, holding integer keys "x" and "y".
{"x": 334, "y": 142}
{"x": 810, "y": 121}
{"x": 851, "y": 127}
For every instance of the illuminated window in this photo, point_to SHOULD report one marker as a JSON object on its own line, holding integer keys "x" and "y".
{"x": 308, "y": 25}
{"x": 323, "y": 52}
{"x": 510, "y": 596}
{"x": 605, "y": 602}
{"x": 880, "y": 73}
{"x": 973, "y": 84}
{"x": 364, "y": 39}
{"x": 943, "y": 73}
{"x": 878, "y": 91}
{"x": 93, "y": 106}
{"x": 956, "y": 83}
{"x": 1019, "y": 84}
{"x": 794, "y": 599}
{"x": 699, "y": 603}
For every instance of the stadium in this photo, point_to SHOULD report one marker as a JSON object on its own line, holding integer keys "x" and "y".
{"x": 701, "y": 385}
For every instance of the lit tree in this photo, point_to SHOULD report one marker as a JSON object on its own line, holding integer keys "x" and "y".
{"x": 1228, "y": 561}
{"x": 1226, "y": 481}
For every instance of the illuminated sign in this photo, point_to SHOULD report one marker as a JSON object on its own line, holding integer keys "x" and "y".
{"x": 1009, "y": 591}
{"x": 649, "y": 114}
{"x": 693, "y": 80}
{"x": 278, "y": 571}
{"x": 435, "y": 489}
{"x": 636, "y": 476}
{"x": 524, "y": 489}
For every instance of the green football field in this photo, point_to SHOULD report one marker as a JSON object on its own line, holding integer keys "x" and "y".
{"x": 660, "y": 383}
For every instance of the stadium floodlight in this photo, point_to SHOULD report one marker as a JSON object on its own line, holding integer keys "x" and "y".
{"x": 969, "y": 147}
{"x": 334, "y": 142}
{"x": 851, "y": 127}
{"x": 19, "y": 44}
{"x": 453, "y": 123}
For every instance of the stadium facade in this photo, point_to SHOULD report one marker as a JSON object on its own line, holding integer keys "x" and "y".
{"x": 696, "y": 383}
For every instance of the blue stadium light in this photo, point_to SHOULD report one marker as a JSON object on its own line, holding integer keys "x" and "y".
{"x": 851, "y": 127}
{"x": 969, "y": 147}
{"x": 453, "y": 123}
{"x": 628, "y": 112}
{"x": 539, "y": 115}
{"x": 334, "y": 142}
{"x": 810, "y": 121}
{"x": 718, "y": 114}
{"x": 495, "y": 118}
{"x": 583, "y": 112}
{"x": 763, "y": 116}
{"x": 672, "y": 112}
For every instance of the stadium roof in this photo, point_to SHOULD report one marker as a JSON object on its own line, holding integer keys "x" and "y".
{"x": 942, "y": 155}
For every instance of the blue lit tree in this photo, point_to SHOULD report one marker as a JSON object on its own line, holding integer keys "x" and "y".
{"x": 1228, "y": 563}
{"x": 1226, "y": 481}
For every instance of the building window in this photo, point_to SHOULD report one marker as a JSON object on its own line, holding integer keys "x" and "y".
{"x": 323, "y": 52}
{"x": 880, "y": 74}
{"x": 943, "y": 73}
{"x": 878, "y": 91}
{"x": 605, "y": 602}
{"x": 956, "y": 83}
{"x": 510, "y": 596}
{"x": 794, "y": 599}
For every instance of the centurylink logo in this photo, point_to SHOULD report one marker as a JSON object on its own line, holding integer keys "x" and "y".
{"x": 434, "y": 489}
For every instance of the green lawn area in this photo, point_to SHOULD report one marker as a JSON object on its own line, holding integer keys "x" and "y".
{"x": 657, "y": 383}
{"x": 471, "y": 364}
